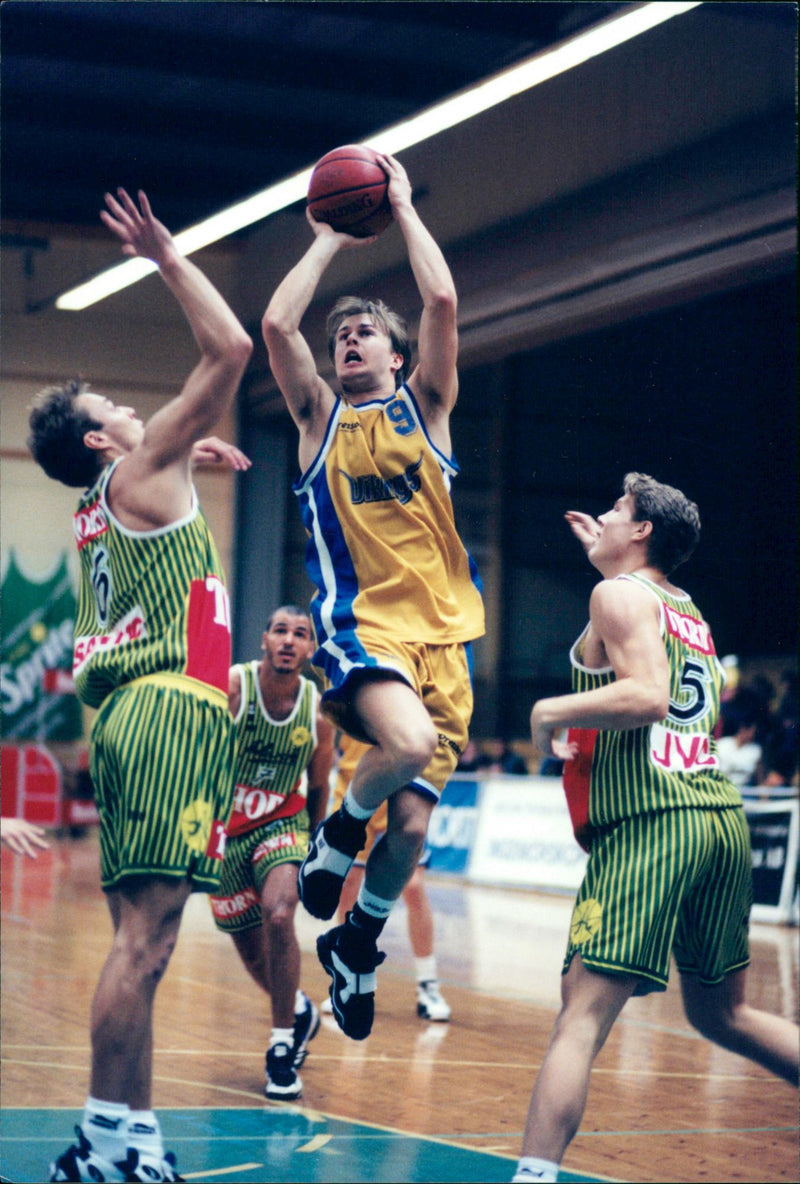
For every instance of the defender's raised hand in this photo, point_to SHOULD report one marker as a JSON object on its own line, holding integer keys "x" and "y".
{"x": 139, "y": 231}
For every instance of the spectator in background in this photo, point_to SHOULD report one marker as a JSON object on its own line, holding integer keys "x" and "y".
{"x": 470, "y": 759}
{"x": 780, "y": 756}
{"x": 739, "y": 755}
{"x": 499, "y": 757}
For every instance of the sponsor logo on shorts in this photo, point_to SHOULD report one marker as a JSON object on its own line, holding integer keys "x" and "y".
{"x": 276, "y": 843}
{"x": 586, "y": 921}
{"x": 448, "y": 743}
{"x": 195, "y": 824}
{"x": 234, "y": 906}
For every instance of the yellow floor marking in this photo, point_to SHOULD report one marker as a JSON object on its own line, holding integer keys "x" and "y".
{"x": 315, "y": 1143}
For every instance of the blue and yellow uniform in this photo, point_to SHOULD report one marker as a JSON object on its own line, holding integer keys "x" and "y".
{"x": 396, "y": 589}
{"x": 669, "y": 852}
{"x": 152, "y": 652}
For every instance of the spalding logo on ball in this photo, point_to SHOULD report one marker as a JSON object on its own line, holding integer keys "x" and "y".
{"x": 348, "y": 190}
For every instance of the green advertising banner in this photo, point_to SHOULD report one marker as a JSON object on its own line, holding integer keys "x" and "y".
{"x": 38, "y": 701}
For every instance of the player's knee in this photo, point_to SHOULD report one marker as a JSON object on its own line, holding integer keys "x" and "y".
{"x": 412, "y": 749}
{"x": 279, "y": 918}
{"x": 712, "y": 1022}
{"x": 407, "y": 837}
{"x": 144, "y": 958}
{"x": 414, "y": 894}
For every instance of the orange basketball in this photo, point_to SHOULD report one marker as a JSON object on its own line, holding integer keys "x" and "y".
{"x": 348, "y": 190}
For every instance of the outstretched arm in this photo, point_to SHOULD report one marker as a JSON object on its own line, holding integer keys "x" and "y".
{"x": 435, "y": 380}
{"x": 308, "y": 397}
{"x": 224, "y": 345}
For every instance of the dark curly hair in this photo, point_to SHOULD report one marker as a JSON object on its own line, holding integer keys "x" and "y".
{"x": 57, "y": 429}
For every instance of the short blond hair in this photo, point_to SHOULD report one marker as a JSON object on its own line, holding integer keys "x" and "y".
{"x": 386, "y": 318}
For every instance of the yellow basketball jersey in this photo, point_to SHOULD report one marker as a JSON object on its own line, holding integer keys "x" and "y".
{"x": 383, "y": 549}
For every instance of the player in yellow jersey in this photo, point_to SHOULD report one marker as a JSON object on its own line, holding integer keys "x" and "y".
{"x": 669, "y": 869}
{"x": 152, "y": 653}
{"x": 397, "y": 600}
{"x": 283, "y": 763}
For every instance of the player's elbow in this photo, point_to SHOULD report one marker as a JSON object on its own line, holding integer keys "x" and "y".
{"x": 241, "y": 349}
{"x": 275, "y": 326}
{"x": 233, "y": 351}
{"x": 443, "y": 301}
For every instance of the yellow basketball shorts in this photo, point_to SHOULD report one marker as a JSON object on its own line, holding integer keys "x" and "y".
{"x": 678, "y": 881}
{"x": 162, "y": 762}
{"x": 441, "y": 675}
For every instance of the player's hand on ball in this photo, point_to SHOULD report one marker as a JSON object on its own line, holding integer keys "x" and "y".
{"x": 399, "y": 184}
{"x": 344, "y": 240}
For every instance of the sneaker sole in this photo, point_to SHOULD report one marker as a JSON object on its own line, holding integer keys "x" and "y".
{"x": 282, "y": 1093}
{"x": 424, "y": 1014}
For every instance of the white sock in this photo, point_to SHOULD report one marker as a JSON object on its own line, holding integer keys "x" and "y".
{"x": 281, "y": 1036}
{"x": 352, "y": 807}
{"x": 299, "y": 1002}
{"x": 105, "y": 1125}
{"x": 144, "y": 1133}
{"x": 374, "y": 906}
{"x": 426, "y": 969}
{"x": 530, "y": 1168}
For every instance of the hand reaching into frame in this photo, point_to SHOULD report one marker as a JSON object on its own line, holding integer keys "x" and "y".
{"x": 22, "y": 837}
{"x": 213, "y": 451}
{"x": 139, "y": 231}
{"x": 584, "y": 527}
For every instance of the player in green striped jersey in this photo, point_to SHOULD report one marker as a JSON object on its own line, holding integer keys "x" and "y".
{"x": 284, "y": 752}
{"x": 152, "y": 651}
{"x": 669, "y": 869}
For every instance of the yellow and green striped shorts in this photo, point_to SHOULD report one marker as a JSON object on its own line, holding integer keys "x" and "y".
{"x": 162, "y": 763}
{"x": 672, "y": 882}
{"x": 249, "y": 858}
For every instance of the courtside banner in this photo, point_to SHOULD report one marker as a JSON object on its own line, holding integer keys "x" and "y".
{"x": 38, "y": 699}
{"x": 524, "y": 836}
{"x": 774, "y": 841}
{"x": 451, "y": 831}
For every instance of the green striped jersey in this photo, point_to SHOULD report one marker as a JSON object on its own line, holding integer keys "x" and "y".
{"x": 149, "y": 602}
{"x": 668, "y": 764}
{"x": 271, "y": 755}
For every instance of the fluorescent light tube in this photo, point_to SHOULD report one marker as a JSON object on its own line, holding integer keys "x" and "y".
{"x": 459, "y": 107}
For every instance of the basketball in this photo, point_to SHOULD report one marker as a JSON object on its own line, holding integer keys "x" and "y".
{"x": 348, "y": 190}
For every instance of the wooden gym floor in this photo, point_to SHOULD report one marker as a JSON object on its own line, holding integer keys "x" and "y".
{"x": 416, "y": 1101}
